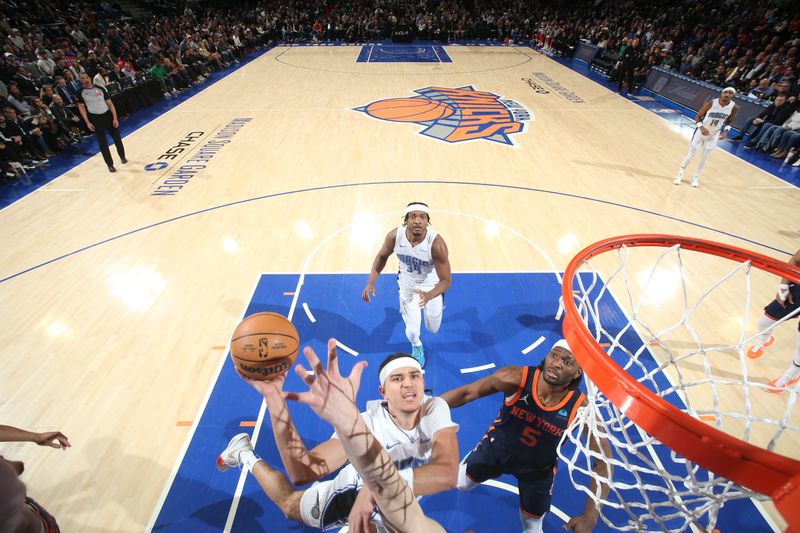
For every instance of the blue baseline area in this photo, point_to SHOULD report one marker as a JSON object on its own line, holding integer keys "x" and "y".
{"x": 489, "y": 318}
{"x": 407, "y": 53}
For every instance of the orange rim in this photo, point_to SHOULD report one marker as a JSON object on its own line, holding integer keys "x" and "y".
{"x": 743, "y": 463}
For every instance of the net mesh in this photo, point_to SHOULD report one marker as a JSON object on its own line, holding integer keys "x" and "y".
{"x": 678, "y": 322}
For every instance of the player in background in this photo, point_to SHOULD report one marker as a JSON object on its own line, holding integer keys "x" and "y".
{"x": 786, "y": 302}
{"x": 424, "y": 273}
{"x": 713, "y": 122}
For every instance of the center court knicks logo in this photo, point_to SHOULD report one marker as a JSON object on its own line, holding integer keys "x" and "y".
{"x": 454, "y": 115}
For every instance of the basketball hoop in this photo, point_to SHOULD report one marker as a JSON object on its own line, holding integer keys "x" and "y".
{"x": 654, "y": 382}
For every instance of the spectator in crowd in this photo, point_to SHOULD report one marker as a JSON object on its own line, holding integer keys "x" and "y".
{"x": 771, "y": 134}
{"x": 46, "y": 64}
{"x": 66, "y": 117}
{"x": 776, "y": 113}
{"x": 25, "y": 135}
{"x": 763, "y": 90}
{"x": 18, "y": 101}
{"x": 71, "y": 81}
{"x": 101, "y": 78}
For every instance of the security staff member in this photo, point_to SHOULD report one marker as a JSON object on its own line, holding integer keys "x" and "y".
{"x": 97, "y": 110}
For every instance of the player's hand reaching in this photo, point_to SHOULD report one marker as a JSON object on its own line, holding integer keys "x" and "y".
{"x": 54, "y": 439}
{"x": 582, "y": 523}
{"x": 424, "y": 297}
{"x": 330, "y": 395}
{"x": 271, "y": 390}
{"x": 784, "y": 295}
{"x": 723, "y": 135}
{"x": 703, "y": 130}
{"x": 360, "y": 514}
{"x": 368, "y": 290}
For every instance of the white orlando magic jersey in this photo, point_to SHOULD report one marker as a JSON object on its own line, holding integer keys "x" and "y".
{"x": 716, "y": 116}
{"x": 408, "y": 448}
{"x": 416, "y": 262}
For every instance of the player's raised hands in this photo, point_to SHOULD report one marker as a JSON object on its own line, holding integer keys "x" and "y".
{"x": 271, "y": 390}
{"x": 330, "y": 395}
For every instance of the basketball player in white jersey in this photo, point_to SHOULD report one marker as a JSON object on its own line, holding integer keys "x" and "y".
{"x": 713, "y": 122}
{"x": 333, "y": 397}
{"x": 423, "y": 277}
{"x": 415, "y": 429}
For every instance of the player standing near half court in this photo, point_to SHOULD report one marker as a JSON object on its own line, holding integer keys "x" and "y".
{"x": 713, "y": 121}
{"x": 786, "y": 302}
{"x": 539, "y": 404}
{"x": 423, "y": 277}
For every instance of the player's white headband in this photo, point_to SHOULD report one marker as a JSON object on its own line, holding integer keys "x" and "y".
{"x": 394, "y": 364}
{"x": 417, "y": 207}
{"x": 561, "y": 344}
{"x": 729, "y": 89}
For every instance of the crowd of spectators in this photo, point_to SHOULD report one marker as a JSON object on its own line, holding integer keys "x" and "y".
{"x": 48, "y": 45}
{"x": 750, "y": 45}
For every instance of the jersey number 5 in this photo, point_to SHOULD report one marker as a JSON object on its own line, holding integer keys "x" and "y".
{"x": 529, "y": 436}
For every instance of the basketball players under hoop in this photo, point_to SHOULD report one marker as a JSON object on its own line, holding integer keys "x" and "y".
{"x": 713, "y": 122}
{"x": 423, "y": 277}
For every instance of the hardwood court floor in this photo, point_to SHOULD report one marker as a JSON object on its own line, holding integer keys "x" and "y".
{"x": 117, "y": 303}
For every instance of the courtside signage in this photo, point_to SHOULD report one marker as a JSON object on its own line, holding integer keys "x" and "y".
{"x": 179, "y": 170}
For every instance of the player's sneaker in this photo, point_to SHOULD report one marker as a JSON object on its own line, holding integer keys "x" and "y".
{"x": 695, "y": 182}
{"x": 678, "y": 178}
{"x": 758, "y": 349}
{"x": 782, "y": 383}
{"x": 229, "y": 457}
{"x": 418, "y": 353}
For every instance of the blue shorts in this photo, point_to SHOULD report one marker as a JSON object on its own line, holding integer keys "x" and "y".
{"x": 486, "y": 461}
{"x": 776, "y": 311}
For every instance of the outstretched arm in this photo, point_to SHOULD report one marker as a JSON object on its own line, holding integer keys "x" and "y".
{"x": 332, "y": 397}
{"x": 507, "y": 379}
{"x": 602, "y": 470}
{"x": 302, "y": 466}
{"x": 54, "y": 439}
{"x": 377, "y": 265}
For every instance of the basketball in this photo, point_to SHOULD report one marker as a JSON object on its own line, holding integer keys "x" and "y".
{"x": 409, "y": 109}
{"x": 264, "y": 346}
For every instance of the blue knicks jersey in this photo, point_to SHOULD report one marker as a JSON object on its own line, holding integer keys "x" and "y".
{"x": 528, "y": 431}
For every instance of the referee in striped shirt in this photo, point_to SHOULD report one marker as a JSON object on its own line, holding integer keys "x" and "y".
{"x": 97, "y": 110}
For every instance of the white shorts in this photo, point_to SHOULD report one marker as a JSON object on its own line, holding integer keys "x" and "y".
{"x": 327, "y": 504}
{"x": 410, "y": 300}
{"x": 707, "y": 143}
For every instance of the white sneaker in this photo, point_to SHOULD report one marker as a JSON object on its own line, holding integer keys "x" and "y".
{"x": 695, "y": 183}
{"x": 678, "y": 178}
{"x": 230, "y": 456}
{"x": 796, "y": 163}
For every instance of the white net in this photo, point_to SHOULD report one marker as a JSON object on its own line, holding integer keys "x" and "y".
{"x": 680, "y": 323}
